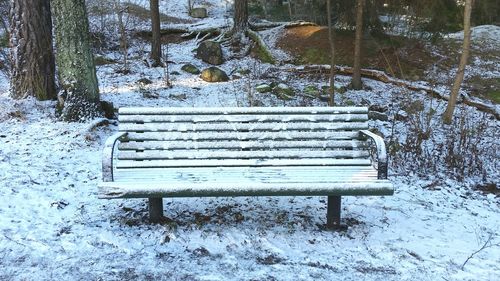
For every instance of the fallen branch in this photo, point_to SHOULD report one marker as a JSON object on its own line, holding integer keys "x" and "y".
{"x": 383, "y": 77}
{"x": 487, "y": 244}
{"x": 268, "y": 25}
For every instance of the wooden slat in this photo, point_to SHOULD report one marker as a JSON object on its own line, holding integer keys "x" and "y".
{"x": 200, "y": 136}
{"x": 245, "y": 174}
{"x": 136, "y": 189}
{"x": 239, "y": 110}
{"x": 238, "y": 145}
{"x": 288, "y": 127}
{"x": 242, "y": 163}
{"x": 243, "y": 118}
{"x": 218, "y": 154}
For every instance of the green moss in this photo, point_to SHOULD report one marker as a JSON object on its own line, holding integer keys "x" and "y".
{"x": 494, "y": 96}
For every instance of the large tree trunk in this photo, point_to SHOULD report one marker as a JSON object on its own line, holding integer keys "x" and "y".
{"x": 79, "y": 96}
{"x": 155, "y": 29}
{"x": 33, "y": 68}
{"x": 448, "y": 114}
{"x": 240, "y": 16}
{"x": 356, "y": 77}
{"x": 331, "y": 38}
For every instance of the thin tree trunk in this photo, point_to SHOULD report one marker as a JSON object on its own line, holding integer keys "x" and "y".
{"x": 33, "y": 67}
{"x": 79, "y": 96}
{"x": 448, "y": 114}
{"x": 356, "y": 77}
{"x": 155, "y": 29}
{"x": 331, "y": 38}
{"x": 240, "y": 16}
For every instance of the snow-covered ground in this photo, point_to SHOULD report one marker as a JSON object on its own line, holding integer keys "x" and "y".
{"x": 52, "y": 226}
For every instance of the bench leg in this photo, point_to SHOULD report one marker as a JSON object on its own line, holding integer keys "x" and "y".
{"x": 333, "y": 212}
{"x": 155, "y": 209}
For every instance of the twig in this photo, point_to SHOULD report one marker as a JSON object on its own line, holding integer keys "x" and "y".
{"x": 486, "y": 245}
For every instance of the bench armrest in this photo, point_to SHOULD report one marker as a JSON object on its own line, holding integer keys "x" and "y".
{"x": 107, "y": 156}
{"x": 381, "y": 152}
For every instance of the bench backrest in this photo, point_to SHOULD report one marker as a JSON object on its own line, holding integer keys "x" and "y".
{"x": 213, "y": 137}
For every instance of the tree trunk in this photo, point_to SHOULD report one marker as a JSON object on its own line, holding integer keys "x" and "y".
{"x": 356, "y": 77}
{"x": 33, "y": 67}
{"x": 240, "y": 24}
{"x": 448, "y": 114}
{"x": 79, "y": 96}
{"x": 155, "y": 29}
{"x": 331, "y": 38}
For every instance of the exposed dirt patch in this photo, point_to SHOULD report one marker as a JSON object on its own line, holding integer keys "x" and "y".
{"x": 400, "y": 57}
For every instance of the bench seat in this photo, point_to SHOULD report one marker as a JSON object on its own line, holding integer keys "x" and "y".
{"x": 246, "y": 181}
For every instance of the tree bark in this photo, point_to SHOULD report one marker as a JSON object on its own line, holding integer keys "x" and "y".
{"x": 448, "y": 114}
{"x": 33, "y": 67}
{"x": 356, "y": 77}
{"x": 155, "y": 28}
{"x": 79, "y": 96}
{"x": 240, "y": 19}
{"x": 331, "y": 38}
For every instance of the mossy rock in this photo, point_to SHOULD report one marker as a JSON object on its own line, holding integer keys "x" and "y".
{"x": 283, "y": 91}
{"x": 199, "y": 13}
{"x": 210, "y": 52}
{"x": 311, "y": 91}
{"x": 243, "y": 71}
{"x": 214, "y": 74}
{"x": 190, "y": 68}
{"x": 263, "y": 88}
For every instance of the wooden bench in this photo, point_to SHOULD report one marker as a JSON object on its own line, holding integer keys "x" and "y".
{"x": 275, "y": 151}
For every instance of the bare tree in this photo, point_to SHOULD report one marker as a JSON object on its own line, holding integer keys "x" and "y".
{"x": 79, "y": 95}
{"x": 356, "y": 75}
{"x": 155, "y": 29}
{"x": 331, "y": 38}
{"x": 240, "y": 24}
{"x": 32, "y": 57}
{"x": 448, "y": 114}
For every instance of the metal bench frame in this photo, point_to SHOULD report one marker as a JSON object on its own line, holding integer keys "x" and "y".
{"x": 167, "y": 122}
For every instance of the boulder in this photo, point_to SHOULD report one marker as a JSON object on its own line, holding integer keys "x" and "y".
{"x": 311, "y": 91}
{"x": 375, "y": 115}
{"x": 199, "y": 13}
{"x": 210, "y": 52}
{"x": 189, "y": 68}
{"x": 263, "y": 88}
{"x": 214, "y": 74}
{"x": 283, "y": 91}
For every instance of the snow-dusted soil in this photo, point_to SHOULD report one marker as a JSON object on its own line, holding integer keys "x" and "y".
{"x": 52, "y": 226}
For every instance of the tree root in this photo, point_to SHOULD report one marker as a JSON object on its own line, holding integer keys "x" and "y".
{"x": 383, "y": 77}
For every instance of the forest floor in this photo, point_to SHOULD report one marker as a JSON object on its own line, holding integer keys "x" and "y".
{"x": 441, "y": 224}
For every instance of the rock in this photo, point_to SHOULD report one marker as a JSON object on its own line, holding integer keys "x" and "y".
{"x": 401, "y": 115}
{"x": 214, "y": 74}
{"x": 175, "y": 73}
{"x": 210, "y": 52}
{"x": 378, "y": 108}
{"x": 189, "y": 68}
{"x": 311, "y": 91}
{"x": 150, "y": 95}
{"x": 375, "y": 115}
{"x": 283, "y": 91}
{"x": 199, "y": 13}
{"x": 144, "y": 81}
{"x": 263, "y": 88}
{"x": 243, "y": 71}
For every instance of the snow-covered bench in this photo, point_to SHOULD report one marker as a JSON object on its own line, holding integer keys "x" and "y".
{"x": 274, "y": 151}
